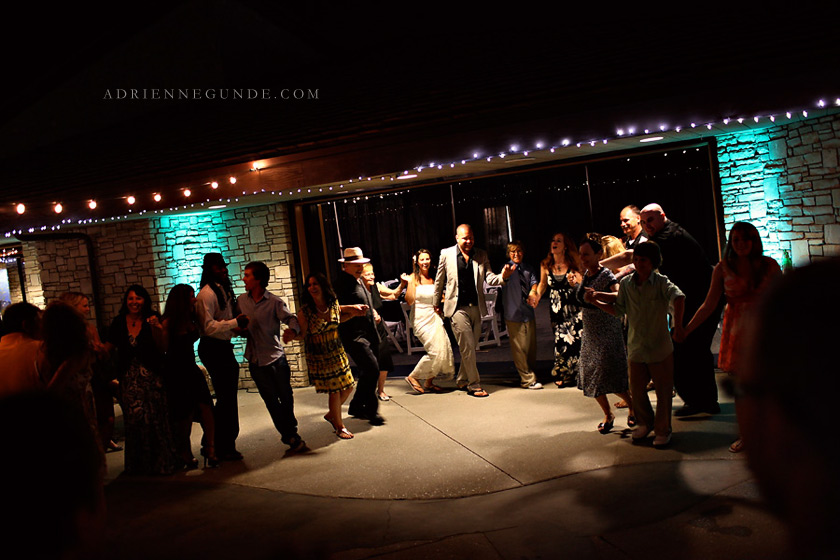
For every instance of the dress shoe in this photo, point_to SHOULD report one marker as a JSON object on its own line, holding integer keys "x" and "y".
{"x": 689, "y": 410}
{"x": 375, "y": 420}
{"x": 231, "y": 456}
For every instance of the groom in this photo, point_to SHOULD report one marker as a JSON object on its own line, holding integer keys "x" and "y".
{"x": 461, "y": 274}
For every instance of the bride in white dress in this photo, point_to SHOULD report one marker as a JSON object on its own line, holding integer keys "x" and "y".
{"x": 428, "y": 327}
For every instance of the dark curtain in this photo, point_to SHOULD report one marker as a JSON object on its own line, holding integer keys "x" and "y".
{"x": 390, "y": 227}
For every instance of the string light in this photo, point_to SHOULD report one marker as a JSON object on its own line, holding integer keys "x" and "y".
{"x": 514, "y": 148}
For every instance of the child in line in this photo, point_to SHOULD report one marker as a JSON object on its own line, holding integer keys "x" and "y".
{"x": 646, "y": 298}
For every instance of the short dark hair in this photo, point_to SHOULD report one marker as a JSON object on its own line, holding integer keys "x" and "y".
{"x": 260, "y": 272}
{"x": 649, "y": 250}
{"x": 22, "y": 318}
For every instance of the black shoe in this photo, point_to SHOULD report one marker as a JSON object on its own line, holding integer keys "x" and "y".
{"x": 689, "y": 410}
{"x": 231, "y": 456}
{"x": 357, "y": 413}
{"x": 376, "y": 420}
{"x": 296, "y": 443}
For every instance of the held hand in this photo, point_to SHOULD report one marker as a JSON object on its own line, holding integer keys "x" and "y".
{"x": 358, "y": 309}
{"x": 507, "y": 271}
{"x": 242, "y": 321}
{"x": 589, "y": 295}
{"x": 573, "y": 279}
{"x": 533, "y": 300}
{"x": 153, "y": 321}
{"x": 404, "y": 277}
{"x": 678, "y": 334}
{"x": 289, "y": 335}
{"x": 376, "y": 318}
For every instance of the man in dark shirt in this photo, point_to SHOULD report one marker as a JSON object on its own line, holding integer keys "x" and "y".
{"x": 685, "y": 264}
{"x": 359, "y": 336}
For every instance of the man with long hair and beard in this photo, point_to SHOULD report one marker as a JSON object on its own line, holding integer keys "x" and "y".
{"x": 218, "y": 321}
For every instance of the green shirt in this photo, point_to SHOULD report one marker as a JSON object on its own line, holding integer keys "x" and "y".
{"x": 647, "y": 307}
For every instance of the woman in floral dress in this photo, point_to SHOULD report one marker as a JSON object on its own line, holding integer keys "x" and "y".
{"x": 603, "y": 358}
{"x": 326, "y": 359}
{"x": 560, "y": 266}
{"x": 138, "y": 336}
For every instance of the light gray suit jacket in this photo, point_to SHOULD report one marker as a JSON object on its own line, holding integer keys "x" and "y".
{"x": 446, "y": 280}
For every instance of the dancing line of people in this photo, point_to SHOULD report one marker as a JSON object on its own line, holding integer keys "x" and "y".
{"x": 654, "y": 278}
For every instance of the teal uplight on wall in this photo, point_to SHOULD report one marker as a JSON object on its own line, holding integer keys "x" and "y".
{"x": 187, "y": 238}
{"x": 750, "y": 166}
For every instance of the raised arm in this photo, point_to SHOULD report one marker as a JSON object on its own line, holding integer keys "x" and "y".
{"x": 410, "y": 289}
{"x": 389, "y": 293}
{"x": 617, "y": 261}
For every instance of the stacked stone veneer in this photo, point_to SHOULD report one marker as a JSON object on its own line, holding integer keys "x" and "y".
{"x": 785, "y": 180}
{"x": 159, "y": 253}
{"x": 15, "y": 292}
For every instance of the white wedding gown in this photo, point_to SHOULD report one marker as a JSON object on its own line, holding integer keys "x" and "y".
{"x": 428, "y": 327}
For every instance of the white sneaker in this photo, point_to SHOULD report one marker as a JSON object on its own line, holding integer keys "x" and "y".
{"x": 535, "y": 385}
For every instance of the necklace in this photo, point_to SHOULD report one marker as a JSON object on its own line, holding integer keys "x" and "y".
{"x": 319, "y": 310}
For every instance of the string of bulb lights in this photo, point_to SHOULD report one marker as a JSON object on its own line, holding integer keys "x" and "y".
{"x": 566, "y": 143}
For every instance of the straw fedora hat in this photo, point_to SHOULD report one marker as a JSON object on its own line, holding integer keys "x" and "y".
{"x": 354, "y": 255}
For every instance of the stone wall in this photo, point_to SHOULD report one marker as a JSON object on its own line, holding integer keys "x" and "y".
{"x": 15, "y": 292}
{"x": 785, "y": 180}
{"x": 160, "y": 252}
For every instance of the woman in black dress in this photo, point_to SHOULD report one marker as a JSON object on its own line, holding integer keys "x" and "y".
{"x": 138, "y": 337}
{"x": 189, "y": 396}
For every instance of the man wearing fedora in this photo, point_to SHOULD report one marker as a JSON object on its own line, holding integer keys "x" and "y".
{"x": 359, "y": 335}
{"x": 215, "y": 307}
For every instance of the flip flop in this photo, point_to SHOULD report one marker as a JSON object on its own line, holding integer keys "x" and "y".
{"x": 414, "y": 385}
{"x": 343, "y": 434}
{"x": 480, "y": 393}
{"x": 433, "y": 388}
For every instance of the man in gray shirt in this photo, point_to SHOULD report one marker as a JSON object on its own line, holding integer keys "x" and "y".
{"x": 266, "y": 358}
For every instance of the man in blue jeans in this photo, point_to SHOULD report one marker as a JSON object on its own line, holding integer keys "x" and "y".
{"x": 266, "y": 358}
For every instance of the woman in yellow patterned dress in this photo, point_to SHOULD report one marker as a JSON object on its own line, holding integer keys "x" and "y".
{"x": 326, "y": 360}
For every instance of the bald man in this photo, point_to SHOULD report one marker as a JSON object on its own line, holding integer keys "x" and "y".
{"x": 461, "y": 274}
{"x": 686, "y": 265}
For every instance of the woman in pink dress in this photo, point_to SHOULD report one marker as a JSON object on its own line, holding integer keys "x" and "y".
{"x": 741, "y": 275}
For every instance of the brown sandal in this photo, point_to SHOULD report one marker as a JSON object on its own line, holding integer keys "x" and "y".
{"x": 414, "y": 385}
